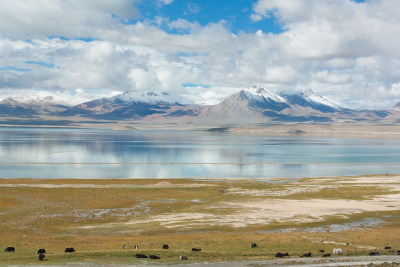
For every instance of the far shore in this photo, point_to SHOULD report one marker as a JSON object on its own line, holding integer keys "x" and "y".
{"x": 370, "y": 131}
{"x": 334, "y": 130}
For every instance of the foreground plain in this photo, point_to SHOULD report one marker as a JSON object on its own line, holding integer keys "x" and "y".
{"x": 220, "y": 216}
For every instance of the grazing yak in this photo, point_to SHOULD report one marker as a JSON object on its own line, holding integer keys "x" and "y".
{"x": 41, "y": 251}
{"x": 69, "y": 250}
{"x": 140, "y": 256}
{"x": 374, "y": 253}
{"x": 196, "y": 249}
{"x": 41, "y": 256}
{"x": 183, "y": 258}
{"x": 154, "y": 257}
{"x": 253, "y": 245}
{"x": 326, "y": 255}
{"x": 398, "y": 252}
{"x": 321, "y": 250}
{"x": 281, "y": 255}
{"x": 165, "y": 246}
{"x": 337, "y": 251}
{"x": 388, "y": 247}
{"x": 9, "y": 249}
{"x": 306, "y": 255}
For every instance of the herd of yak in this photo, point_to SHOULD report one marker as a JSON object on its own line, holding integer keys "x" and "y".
{"x": 336, "y": 251}
{"x": 41, "y": 252}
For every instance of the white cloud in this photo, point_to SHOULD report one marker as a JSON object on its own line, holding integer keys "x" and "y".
{"x": 167, "y": 2}
{"x": 338, "y": 48}
{"x": 331, "y": 78}
{"x": 286, "y": 11}
{"x": 182, "y": 24}
{"x": 393, "y": 92}
{"x": 71, "y": 18}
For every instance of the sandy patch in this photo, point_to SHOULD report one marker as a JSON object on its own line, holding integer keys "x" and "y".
{"x": 310, "y": 210}
{"x": 158, "y": 185}
{"x": 342, "y": 244}
{"x": 270, "y": 211}
{"x": 372, "y": 180}
{"x": 289, "y": 190}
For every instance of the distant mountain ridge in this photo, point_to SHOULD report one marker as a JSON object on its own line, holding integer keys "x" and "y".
{"x": 150, "y": 97}
{"x": 250, "y": 105}
{"x": 311, "y": 99}
{"x": 135, "y": 106}
{"x": 29, "y": 106}
{"x": 262, "y": 103}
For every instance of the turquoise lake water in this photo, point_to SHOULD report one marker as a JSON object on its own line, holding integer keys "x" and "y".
{"x": 83, "y": 153}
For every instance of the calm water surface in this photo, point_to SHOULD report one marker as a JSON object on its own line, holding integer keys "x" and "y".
{"x": 77, "y": 153}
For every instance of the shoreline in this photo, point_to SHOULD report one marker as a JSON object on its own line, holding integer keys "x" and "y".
{"x": 332, "y": 131}
{"x": 323, "y": 130}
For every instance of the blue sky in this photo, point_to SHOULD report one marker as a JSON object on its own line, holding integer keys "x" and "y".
{"x": 236, "y": 15}
{"x": 201, "y": 50}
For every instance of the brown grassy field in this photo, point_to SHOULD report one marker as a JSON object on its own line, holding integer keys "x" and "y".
{"x": 222, "y": 217}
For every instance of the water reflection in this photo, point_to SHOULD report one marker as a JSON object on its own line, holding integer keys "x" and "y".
{"x": 73, "y": 153}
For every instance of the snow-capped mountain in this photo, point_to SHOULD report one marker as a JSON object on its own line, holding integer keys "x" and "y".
{"x": 252, "y": 105}
{"x": 135, "y": 105}
{"x": 247, "y": 104}
{"x": 31, "y": 105}
{"x": 263, "y": 98}
{"x": 262, "y": 104}
{"x": 31, "y": 99}
{"x": 261, "y": 94}
{"x": 131, "y": 97}
{"x": 311, "y": 99}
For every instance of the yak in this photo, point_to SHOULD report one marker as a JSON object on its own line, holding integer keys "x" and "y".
{"x": 41, "y": 251}
{"x": 9, "y": 249}
{"x": 154, "y": 257}
{"x": 41, "y": 256}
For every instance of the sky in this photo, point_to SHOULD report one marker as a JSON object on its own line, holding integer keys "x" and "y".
{"x": 203, "y": 50}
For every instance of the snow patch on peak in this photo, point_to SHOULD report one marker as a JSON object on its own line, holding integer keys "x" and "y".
{"x": 33, "y": 100}
{"x": 151, "y": 97}
{"x": 396, "y": 107}
{"x": 311, "y": 96}
{"x": 261, "y": 94}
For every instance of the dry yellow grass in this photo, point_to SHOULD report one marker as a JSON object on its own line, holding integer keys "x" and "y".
{"x": 97, "y": 217}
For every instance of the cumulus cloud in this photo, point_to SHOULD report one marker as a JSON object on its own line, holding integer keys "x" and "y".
{"x": 70, "y": 18}
{"x": 342, "y": 49}
{"x": 339, "y": 45}
{"x": 166, "y": 2}
{"x": 331, "y": 78}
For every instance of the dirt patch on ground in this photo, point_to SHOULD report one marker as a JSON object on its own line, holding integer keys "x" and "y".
{"x": 158, "y": 185}
{"x": 280, "y": 192}
{"x": 222, "y": 216}
{"x": 271, "y": 211}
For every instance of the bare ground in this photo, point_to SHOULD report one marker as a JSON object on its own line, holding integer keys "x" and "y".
{"x": 222, "y": 216}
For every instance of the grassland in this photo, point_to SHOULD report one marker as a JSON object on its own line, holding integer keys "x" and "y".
{"x": 222, "y": 217}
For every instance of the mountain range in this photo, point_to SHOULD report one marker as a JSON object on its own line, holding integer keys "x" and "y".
{"x": 250, "y": 105}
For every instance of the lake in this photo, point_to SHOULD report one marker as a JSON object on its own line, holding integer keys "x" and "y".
{"x": 88, "y": 153}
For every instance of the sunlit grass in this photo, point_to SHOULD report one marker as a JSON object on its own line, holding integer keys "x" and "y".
{"x": 97, "y": 217}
